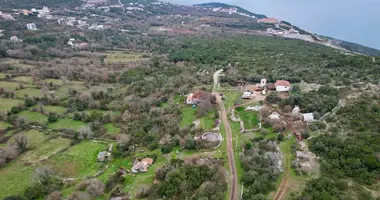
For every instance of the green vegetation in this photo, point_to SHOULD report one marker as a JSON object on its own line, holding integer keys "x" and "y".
{"x": 24, "y": 79}
{"x": 55, "y": 109}
{"x": 112, "y": 129}
{"x": 124, "y": 57}
{"x": 250, "y": 118}
{"x": 35, "y": 138}
{"x": 79, "y": 160}
{"x": 4, "y": 125}
{"x": 45, "y": 150}
{"x": 15, "y": 177}
{"x": 188, "y": 115}
{"x": 2, "y": 75}
{"x": 54, "y": 81}
{"x": 33, "y": 116}
{"x": 11, "y": 86}
{"x": 66, "y": 124}
{"x": 30, "y": 92}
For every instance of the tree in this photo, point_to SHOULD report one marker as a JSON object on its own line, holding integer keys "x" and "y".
{"x": 95, "y": 187}
{"x": 52, "y": 118}
{"x": 190, "y": 144}
{"x": 79, "y": 196}
{"x": 15, "y": 110}
{"x": 85, "y": 132}
{"x": 123, "y": 143}
{"x": 280, "y": 137}
{"x": 264, "y": 112}
{"x": 56, "y": 195}
{"x": 21, "y": 142}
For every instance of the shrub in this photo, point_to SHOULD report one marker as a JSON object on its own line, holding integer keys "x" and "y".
{"x": 15, "y": 110}
{"x": 166, "y": 149}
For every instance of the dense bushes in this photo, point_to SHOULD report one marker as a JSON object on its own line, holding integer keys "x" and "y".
{"x": 187, "y": 180}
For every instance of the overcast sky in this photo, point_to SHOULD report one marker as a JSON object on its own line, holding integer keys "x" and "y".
{"x": 351, "y": 20}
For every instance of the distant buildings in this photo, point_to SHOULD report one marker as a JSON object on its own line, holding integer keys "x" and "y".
{"x": 31, "y": 26}
{"x": 308, "y": 117}
{"x": 6, "y": 16}
{"x": 197, "y": 97}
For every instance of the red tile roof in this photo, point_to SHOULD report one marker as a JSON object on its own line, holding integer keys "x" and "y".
{"x": 282, "y": 83}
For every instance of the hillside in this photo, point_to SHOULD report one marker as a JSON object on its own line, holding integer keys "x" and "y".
{"x": 143, "y": 99}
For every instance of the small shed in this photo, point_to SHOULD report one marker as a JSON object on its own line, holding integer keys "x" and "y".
{"x": 274, "y": 115}
{"x": 308, "y": 117}
{"x": 103, "y": 156}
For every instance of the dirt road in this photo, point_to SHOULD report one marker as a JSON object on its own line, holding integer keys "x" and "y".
{"x": 282, "y": 188}
{"x": 234, "y": 194}
{"x": 233, "y": 179}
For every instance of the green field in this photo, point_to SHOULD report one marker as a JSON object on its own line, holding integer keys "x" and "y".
{"x": 35, "y": 138}
{"x": 54, "y": 81}
{"x": 24, "y": 79}
{"x": 79, "y": 160}
{"x": 123, "y": 57}
{"x": 250, "y": 118}
{"x": 55, "y": 109}
{"x": 10, "y": 86}
{"x": 76, "y": 85}
{"x": 15, "y": 177}
{"x": 33, "y": 116}
{"x": 112, "y": 129}
{"x": 46, "y": 150}
{"x": 2, "y": 75}
{"x": 66, "y": 124}
{"x": 188, "y": 116}
{"x": 208, "y": 121}
{"x": 4, "y": 125}
{"x": 30, "y": 92}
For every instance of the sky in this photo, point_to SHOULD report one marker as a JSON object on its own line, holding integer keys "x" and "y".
{"x": 355, "y": 21}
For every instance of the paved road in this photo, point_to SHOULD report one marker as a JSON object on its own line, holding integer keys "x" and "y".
{"x": 234, "y": 194}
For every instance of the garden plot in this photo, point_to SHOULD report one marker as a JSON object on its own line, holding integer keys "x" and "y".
{"x": 189, "y": 115}
{"x": 66, "y": 124}
{"x": 55, "y": 109}
{"x": 46, "y": 150}
{"x": 79, "y": 161}
{"x": 63, "y": 92}
{"x": 30, "y": 92}
{"x": 33, "y": 116}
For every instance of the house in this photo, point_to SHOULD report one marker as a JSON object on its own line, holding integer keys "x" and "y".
{"x": 263, "y": 82}
{"x": 104, "y": 156}
{"x": 274, "y": 115}
{"x": 14, "y": 39}
{"x": 142, "y": 166}
{"x": 31, "y": 26}
{"x": 83, "y": 46}
{"x": 268, "y": 20}
{"x": 71, "y": 42}
{"x": 308, "y": 117}
{"x": 197, "y": 97}
{"x": 282, "y": 86}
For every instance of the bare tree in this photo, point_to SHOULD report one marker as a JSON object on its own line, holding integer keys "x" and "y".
{"x": 123, "y": 142}
{"x": 79, "y": 196}
{"x": 56, "y": 195}
{"x": 95, "y": 187}
{"x": 264, "y": 112}
{"x": 21, "y": 142}
{"x": 85, "y": 132}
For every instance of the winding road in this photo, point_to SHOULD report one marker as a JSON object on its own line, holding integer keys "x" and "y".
{"x": 233, "y": 178}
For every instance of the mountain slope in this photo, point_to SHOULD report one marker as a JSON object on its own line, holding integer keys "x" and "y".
{"x": 227, "y": 6}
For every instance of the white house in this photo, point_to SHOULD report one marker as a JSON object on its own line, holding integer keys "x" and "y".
{"x": 71, "y": 42}
{"x": 263, "y": 82}
{"x": 296, "y": 110}
{"x": 282, "y": 86}
{"x": 14, "y": 39}
{"x": 31, "y": 26}
{"x": 247, "y": 95}
{"x": 308, "y": 117}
